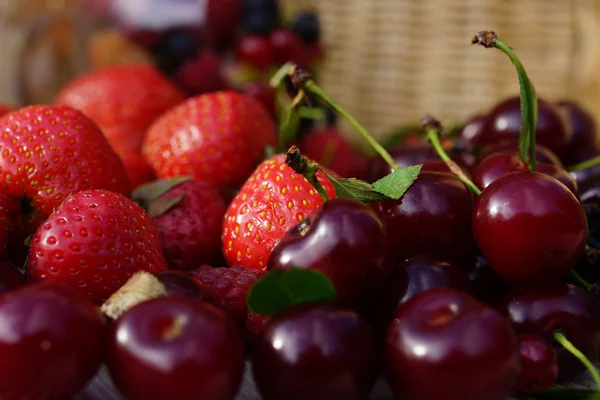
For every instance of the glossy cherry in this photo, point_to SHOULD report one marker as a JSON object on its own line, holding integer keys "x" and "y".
{"x": 315, "y": 351}
{"x": 504, "y": 122}
{"x": 287, "y": 46}
{"x": 439, "y": 166}
{"x": 10, "y": 277}
{"x": 542, "y": 153}
{"x": 560, "y": 174}
{"x": 529, "y": 227}
{"x": 542, "y": 310}
{"x": 432, "y": 218}
{"x": 255, "y": 51}
{"x": 180, "y": 283}
{"x": 404, "y": 156}
{"x": 425, "y": 273}
{"x": 585, "y": 143}
{"x": 588, "y": 179}
{"x": 175, "y": 348}
{"x": 470, "y": 134}
{"x": 443, "y": 344}
{"x": 539, "y": 364}
{"x": 346, "y": 241}
{"x": 51, "y": 341}
{"x": 494, "y": 166}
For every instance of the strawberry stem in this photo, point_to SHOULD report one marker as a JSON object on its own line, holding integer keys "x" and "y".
{"x": 584, "y": 165}
{"x": 529, "y": 102}
{"x": 564, "y": 342}
{"x": 307, "y": 169}
{"x": 432, "y": 127}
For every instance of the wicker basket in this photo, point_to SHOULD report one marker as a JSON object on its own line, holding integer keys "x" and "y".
{"x": 390, "y": 61}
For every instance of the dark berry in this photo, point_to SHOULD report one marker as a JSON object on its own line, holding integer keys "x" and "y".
{"x": 315, "y": 351}
{"x": 346, "y": 241}
{"x": 258, "y": 23}
{"x": 539, "y": 364}
{"x": 444, "y": 343}
{"x": 471, "y": 131}
{"x": 180, "y": 283}
{"x": 10, "y": 277}
{"x": 175, "y": 347}
{"x": 227, "y": 288}
{"x": 255, "y": 326}
{"x": 585, "y": 143}
{"x": 269, "y": 7}
{"x": 255, "y": 51}
{"x": 264, "y": 94}
{"x": 173, "y": 48}
{"x": 530, "y": 227}
{"x": 307, "y": 26}
{"x": 287, "y": 47}
{"x": 486, "y": 285}
{"x": 223, "y": 17}
{"x": 201, "y": 74}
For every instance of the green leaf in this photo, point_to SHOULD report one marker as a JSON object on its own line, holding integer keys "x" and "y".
{"x": 352, "y": 188}
{"x": 144, "y": 194}
{"x": 158, "y": 207}
{"x": 562, "y": 394}
{"x": 279, "y": 290}
{"x": 395, "y": 184}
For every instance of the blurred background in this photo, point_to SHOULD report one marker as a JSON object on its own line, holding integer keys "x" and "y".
{"x": 387, "y": 61}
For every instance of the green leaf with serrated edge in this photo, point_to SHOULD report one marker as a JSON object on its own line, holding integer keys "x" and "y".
{"x": 352, "y": 188}
{"x": 395, "y": 184}
{"x": 158, "y": 207}
{"x": 279, "y": 290}
{"x": 147, "y": 192}
{"x": 561, "y": 394}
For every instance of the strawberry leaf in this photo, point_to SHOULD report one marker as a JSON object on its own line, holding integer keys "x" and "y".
{"x": 148, "y": 192}
{"x": 279, "y": 290}
{"x": 352, "y": 188}
{"x": 562, "y": 394}
{"x": 162, "y": 205}
{"x": 395, "y": 184}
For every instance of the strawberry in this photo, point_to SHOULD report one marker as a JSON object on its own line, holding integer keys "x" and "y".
{"x": 272, "y": 201}
{"x": 49, "y": 152}
{"x": 123, "y": 100}
{"x": 138, "y": 170}
{"x": 227, "y": 288}
{"x": 94, "y": 242}
{"x": 5, "y": 109}
{"x": 188, "y": 215}
{"x": 217, "y": 138}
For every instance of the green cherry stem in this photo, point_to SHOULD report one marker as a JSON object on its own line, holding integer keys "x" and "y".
{"x": 307, "y": 169}
{"x": 529, "y": 101}
{"x": 432, "y": 128}
{"x": 564, "y": 342}
{"x": 584, "y": 165}
{"x": 576, "y": 277}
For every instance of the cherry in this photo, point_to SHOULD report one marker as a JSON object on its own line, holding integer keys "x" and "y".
{"x": 504, "y": 122}
{"x": 486, "y": 285}
{"x": 315, "y": 351}
{"x": 254, "y": 327}
{"x": 425, "y": 273}
{"x": 438, "y": 166}
{"x": 588, "y": 179}
{"x": 287, "y": 47}
{"x": 346, "y": 241}
{"x": 51, "y": 341}
{"x": 180, "y": 283}
{"x": 255, "y": 51}
{"x": 264, "y": 94}
{"x": 307, "y": 26}
{"x": 544, "y": 309}
{"x": 10, "y": 277}
{"x": 432, "y": 218}
{"x": 560, "y": 175}
{"x": 539, "y": 364}
{"x": 529, "y": 227}
{"x": 175, "y": 348}
{"x": 174, "y": 47}
{"x": 443, "y": 343}
{"x": 542, "y": 153}
{"x": 471, "y": 131}
{"x": 585, "y": 143}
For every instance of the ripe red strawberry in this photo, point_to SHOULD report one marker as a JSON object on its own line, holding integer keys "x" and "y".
{"x": 138, "y": 170}
{"x": 188, "y": 216}
{"x": 49, "y": 152}
{"x": 5, "y": 109}
{"x": 227, "y": 288}
{"x": 332, "y": 149}
{"x": 94, "y": 242}
{"x": 272, "y": 201}
{"x": 217, "y": 138}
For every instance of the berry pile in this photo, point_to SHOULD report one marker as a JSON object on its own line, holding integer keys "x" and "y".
{"x": 170, "y": 239}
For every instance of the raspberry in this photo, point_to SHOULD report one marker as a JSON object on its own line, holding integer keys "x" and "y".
{"x": 227, "y": 288}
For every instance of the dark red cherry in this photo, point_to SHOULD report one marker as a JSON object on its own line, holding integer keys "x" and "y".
{"x": 587, "y": 179}
{"x": 51, "y": 341}
{"x": 585, "y": 143}
{"x": 439, "y": 166}
{"x": 560, "y": 174}
{"x": 539, "y": 364}
{"x": 180, "y": 283}
{"x": 504, "y": 122}
{"x": 175, "y": 348}
{"x": 443, "y": 343}
{"x": 470, "y": 134}
{"x": 543, "y": 310}
{"x": 404, "y": 155}
{"x": 529, "y": 227}
{"x": 346, "y": 241}
{"x": 542, "y": 153}
{"x": 10, "y": 277}
{"x": 486, "y": 285}
{"x": 255, "y": 51}
{"x": 264, "y": 94}
{"x": 315, "y": 351}
{"x": 425, "y": 273}
{"x": 287, "y": 46}
{"x": 433, "y": 218}
{"x": 494, "y": 166}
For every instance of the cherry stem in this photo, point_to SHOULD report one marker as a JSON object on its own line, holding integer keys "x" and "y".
{"x": 529, "y": 102}
{"x": 432, "y": 127}
{"x": 584, "y": 165}
{"x": 564, "y": 342}
{"x": 295, "y": 160}
{"x": 586, "y": 285}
